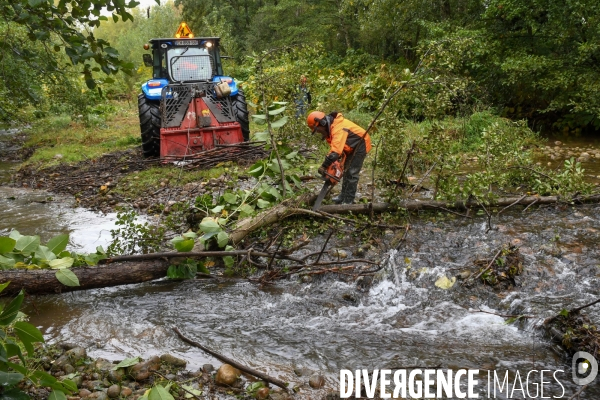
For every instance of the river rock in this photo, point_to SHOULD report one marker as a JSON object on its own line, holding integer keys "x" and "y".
{"x": 114, "y": 391}
{"x": 316, "y": 381}
{"x": 141, "y": 371}
{"x": 69, "y": 369}
{"x": 98, "y": 396}
{"x": 208, "y": 368}
{"x": 339, "y": 254}
{"x": 116, "y": 375}
{"x": 126, "y": 392}
{"x": 262, "y": 394}
{"x": 83, "y": 393}
{"x": 227, "y": 375}
{"x": 173, "y": 361}
{"x": 103, "y": 365}
{"x": 71, "y": 357}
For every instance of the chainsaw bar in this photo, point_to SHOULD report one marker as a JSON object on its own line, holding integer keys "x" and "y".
{"x": 324, "y": 190}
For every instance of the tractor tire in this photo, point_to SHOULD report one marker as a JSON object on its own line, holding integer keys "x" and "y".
{"x": 240, "y": 108}
{"x": 149, "y": 111}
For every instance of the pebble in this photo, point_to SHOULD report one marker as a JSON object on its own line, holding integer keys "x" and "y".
{"x": 83, "y": 393}
{"x": 141, "y": 371}
{"x": 173, "y": 361}
{"x": 227, "y": 375}
{"x": 208, "y": 368}
{"x": 126, "y": 392}
{"x": 316, "y": 381}
{"x": 114, "y": 391}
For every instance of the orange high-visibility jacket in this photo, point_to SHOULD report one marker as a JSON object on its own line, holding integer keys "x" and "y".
{"x": 345, "y": 136}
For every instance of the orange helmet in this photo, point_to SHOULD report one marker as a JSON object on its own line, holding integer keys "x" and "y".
{"x": 313, "y": 120}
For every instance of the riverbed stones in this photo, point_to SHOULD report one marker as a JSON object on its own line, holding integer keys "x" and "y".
{"x": 316, "y": 381}
{"x": 262, "y": 394}
{"x": 83, "y": 393}
{"x": 227, "y": 375}
{"x": 114, "y": 391}
{"x": 71, "y": 357}
{"x": 126, "y": 392}
{"x": 173, "y": 361}
{"x": 116, "y": 375}
{"x": 103, "y": 365}
{"x": 208, "y": 368}
{"x": 141, "y": 371}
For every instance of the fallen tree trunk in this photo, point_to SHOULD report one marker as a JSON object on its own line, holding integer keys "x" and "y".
{"x": 43, "y": 281}
{"x": 284, "y": 210}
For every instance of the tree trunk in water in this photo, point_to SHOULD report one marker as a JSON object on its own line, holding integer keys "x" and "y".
{"x": 43, "y": 281}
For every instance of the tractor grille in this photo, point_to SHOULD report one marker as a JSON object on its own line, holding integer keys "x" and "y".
{"x": 192, "y": 68}
{"x": 175, "y": 102}
{"x": 221, "y": 108}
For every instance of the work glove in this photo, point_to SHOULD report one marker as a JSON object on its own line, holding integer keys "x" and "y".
{"x": 330, "y": 159}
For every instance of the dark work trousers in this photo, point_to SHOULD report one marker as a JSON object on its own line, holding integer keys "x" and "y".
{"x": 351, "y": 174}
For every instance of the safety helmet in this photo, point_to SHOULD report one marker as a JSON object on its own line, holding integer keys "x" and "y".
{"x": 314, "y": 120}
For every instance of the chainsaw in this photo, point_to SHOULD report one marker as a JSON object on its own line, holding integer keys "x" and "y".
{"x": 332, "y": 176}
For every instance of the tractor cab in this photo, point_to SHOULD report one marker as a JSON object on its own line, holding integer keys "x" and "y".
{"x": 188, "y": 83}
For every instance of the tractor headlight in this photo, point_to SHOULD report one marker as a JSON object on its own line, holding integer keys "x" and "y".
{"x": 208, "y": 45}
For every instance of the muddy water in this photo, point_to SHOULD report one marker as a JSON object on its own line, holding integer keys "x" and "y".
{"x": 325, "y": 325}
{"x": 46, "y": 214}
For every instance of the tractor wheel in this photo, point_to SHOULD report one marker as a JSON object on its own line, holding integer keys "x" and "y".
{"x": 149, "y": 125}
{"x": 240, "y": 108}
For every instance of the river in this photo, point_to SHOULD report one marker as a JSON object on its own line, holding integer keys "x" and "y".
{"x": 326, "y": 325}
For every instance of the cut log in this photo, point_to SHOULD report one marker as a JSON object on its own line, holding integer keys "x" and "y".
{"x": 43, "y": 281}
{"x": 284, "y": 210}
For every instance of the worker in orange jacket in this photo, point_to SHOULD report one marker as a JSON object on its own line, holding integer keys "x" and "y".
{"x": 343, "y": 136}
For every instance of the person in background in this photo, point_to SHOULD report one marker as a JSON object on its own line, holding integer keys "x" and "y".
{"x": 343, "y": 136}
{"x": 303, "y": 97}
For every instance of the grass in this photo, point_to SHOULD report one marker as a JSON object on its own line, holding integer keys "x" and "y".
{"x": 59, "y": 139}
{"x": 138, "y": 184}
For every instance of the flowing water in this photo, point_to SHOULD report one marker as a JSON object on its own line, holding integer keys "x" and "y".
{"x": 326, "y": 325}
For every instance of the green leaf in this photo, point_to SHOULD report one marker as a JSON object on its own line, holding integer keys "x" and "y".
{"x": 27, "y": 244}
{"x": 564, "y": 312}
{"x": 262, "y": 203}
{"x": 57, "y": 395}
{"x": 259, "y": 116}
{"x": 182, "y": 245}
{"x": 58, "y": 243}
{"x": 190, "y": 392}
{"x": 44, "y": 253}
{"x": 280, "y": 122}
{"x": 10, "y": 378}
{"x": 262, "y": 137}
{"x": 159, "y": 393}
{"x": 246, "y": 210}
{"x": 15, "y": 394}
{"x": 12, "y": 349}
{"x": 282, "y": 103}
{"x": 4, "y": 286}
{"x": 229, "y": 261}
{"x": 230, "y": 198}
{"x": 7, "y": 244}
{"x": 209, "y": 225}
{"x": 190, "y": 235}
{"x": 67, "y": 277}
{"x": 7, "y": 262}
{"x": 28, "y": 333}
{"x": 222, "y": 239}
{"x": 217, "y": 209}
{"x": 10, "y": 312}
{"x": 128, "y": 362}
{"x": 277, "y": 111}
{"x": 291, "y": 155}
{"x": 14, "y": 234}
{"x": 61, "y": 263}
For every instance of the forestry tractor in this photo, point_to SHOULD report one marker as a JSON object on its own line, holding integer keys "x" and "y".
{"x": 189, "y": 106}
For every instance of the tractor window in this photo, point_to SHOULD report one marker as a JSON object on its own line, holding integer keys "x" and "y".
{"x": 189, "y": 64}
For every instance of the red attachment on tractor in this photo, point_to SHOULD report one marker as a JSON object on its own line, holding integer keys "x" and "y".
{"x": 199, "y": 131}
